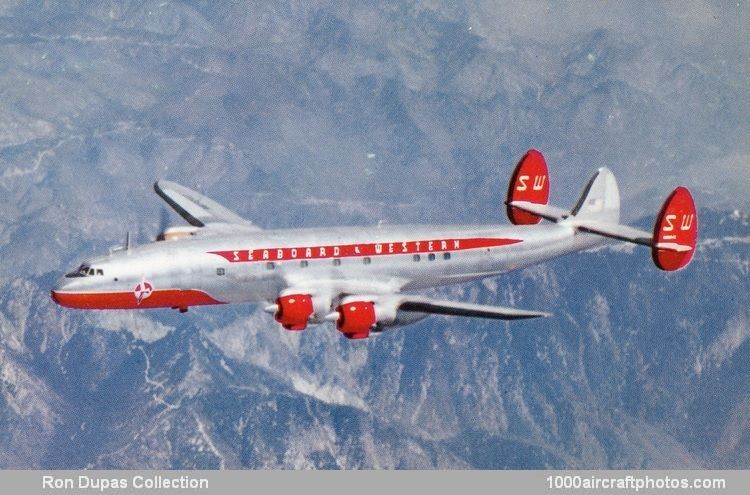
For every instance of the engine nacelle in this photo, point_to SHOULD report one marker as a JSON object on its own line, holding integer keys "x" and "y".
{"x": 356, "y": 319}
{"x": 294, "y": 311}
{"x": 175, "y": 233}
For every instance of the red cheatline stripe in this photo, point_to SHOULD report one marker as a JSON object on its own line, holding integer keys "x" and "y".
{"x": 165, "y": 298}
{"x": 365, "y": 249}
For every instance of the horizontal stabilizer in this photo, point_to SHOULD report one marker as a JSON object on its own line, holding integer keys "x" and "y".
{"x": 671, "y": 246}
{"x": 597, "y": 211}
{"x": 547, "y": 212}
{"x": 614, "y": 231}
{"x": 426, "y": 305}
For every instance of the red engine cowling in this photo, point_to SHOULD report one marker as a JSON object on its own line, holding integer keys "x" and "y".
{"x": 294, "y": 311}
{"x": 356, "y": 319}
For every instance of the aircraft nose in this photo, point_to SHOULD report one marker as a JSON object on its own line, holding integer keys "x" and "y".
{"x": 54, "y": 296}
{"x": 61, "y": 284}
{"x": 59, "y": 287}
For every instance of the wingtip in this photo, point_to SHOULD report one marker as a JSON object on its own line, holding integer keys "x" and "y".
{"x": 533, "y": 315}
{"x": 161, "y": 185}
{"x": 541, "y": 314}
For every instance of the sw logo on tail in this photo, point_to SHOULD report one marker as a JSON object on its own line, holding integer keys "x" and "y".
{"x": 364, "y": 279}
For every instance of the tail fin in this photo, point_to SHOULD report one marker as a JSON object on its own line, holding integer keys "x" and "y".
{"x": 529, "y": 183}
{"x": 597, "y": 211}
{"x": 675, "y": 231}
{"x": 600, "y": 199}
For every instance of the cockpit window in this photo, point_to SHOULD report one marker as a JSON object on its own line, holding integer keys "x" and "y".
{"x": 85, "y": 271}
{"x": 82, "y": 271}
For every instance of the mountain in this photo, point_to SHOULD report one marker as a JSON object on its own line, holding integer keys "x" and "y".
{"x": 637, "y": 369}
{"x": 319, "y": 113}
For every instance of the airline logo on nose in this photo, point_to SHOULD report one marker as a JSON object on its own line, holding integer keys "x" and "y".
{"x": 142, "y": 291}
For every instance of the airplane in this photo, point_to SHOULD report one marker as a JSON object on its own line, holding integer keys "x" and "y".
{"x": 364, "y": 279}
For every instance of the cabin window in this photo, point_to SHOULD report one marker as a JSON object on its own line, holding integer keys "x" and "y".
{"x": 336, "y": 262}
{"x": 303, "y": 263}
{"x": 446, "y": 256}
{"x": 270, "y": 265}
{"x": 431, "y": 256}
{"x": 417, "y": 257}
{"x": 366, "y": 260}
{"x": 220, "y": 271}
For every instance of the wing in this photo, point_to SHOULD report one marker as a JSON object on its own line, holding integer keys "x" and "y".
{"x": 197, "y": 209}
{"x": 357, "y": 315}
{"x": 431, "y": 306}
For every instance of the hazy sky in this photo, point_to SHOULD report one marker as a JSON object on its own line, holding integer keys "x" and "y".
{"x": 324, "y": 112}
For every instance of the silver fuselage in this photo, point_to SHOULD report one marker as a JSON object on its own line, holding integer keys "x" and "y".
{"x": 192, "y": 263}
